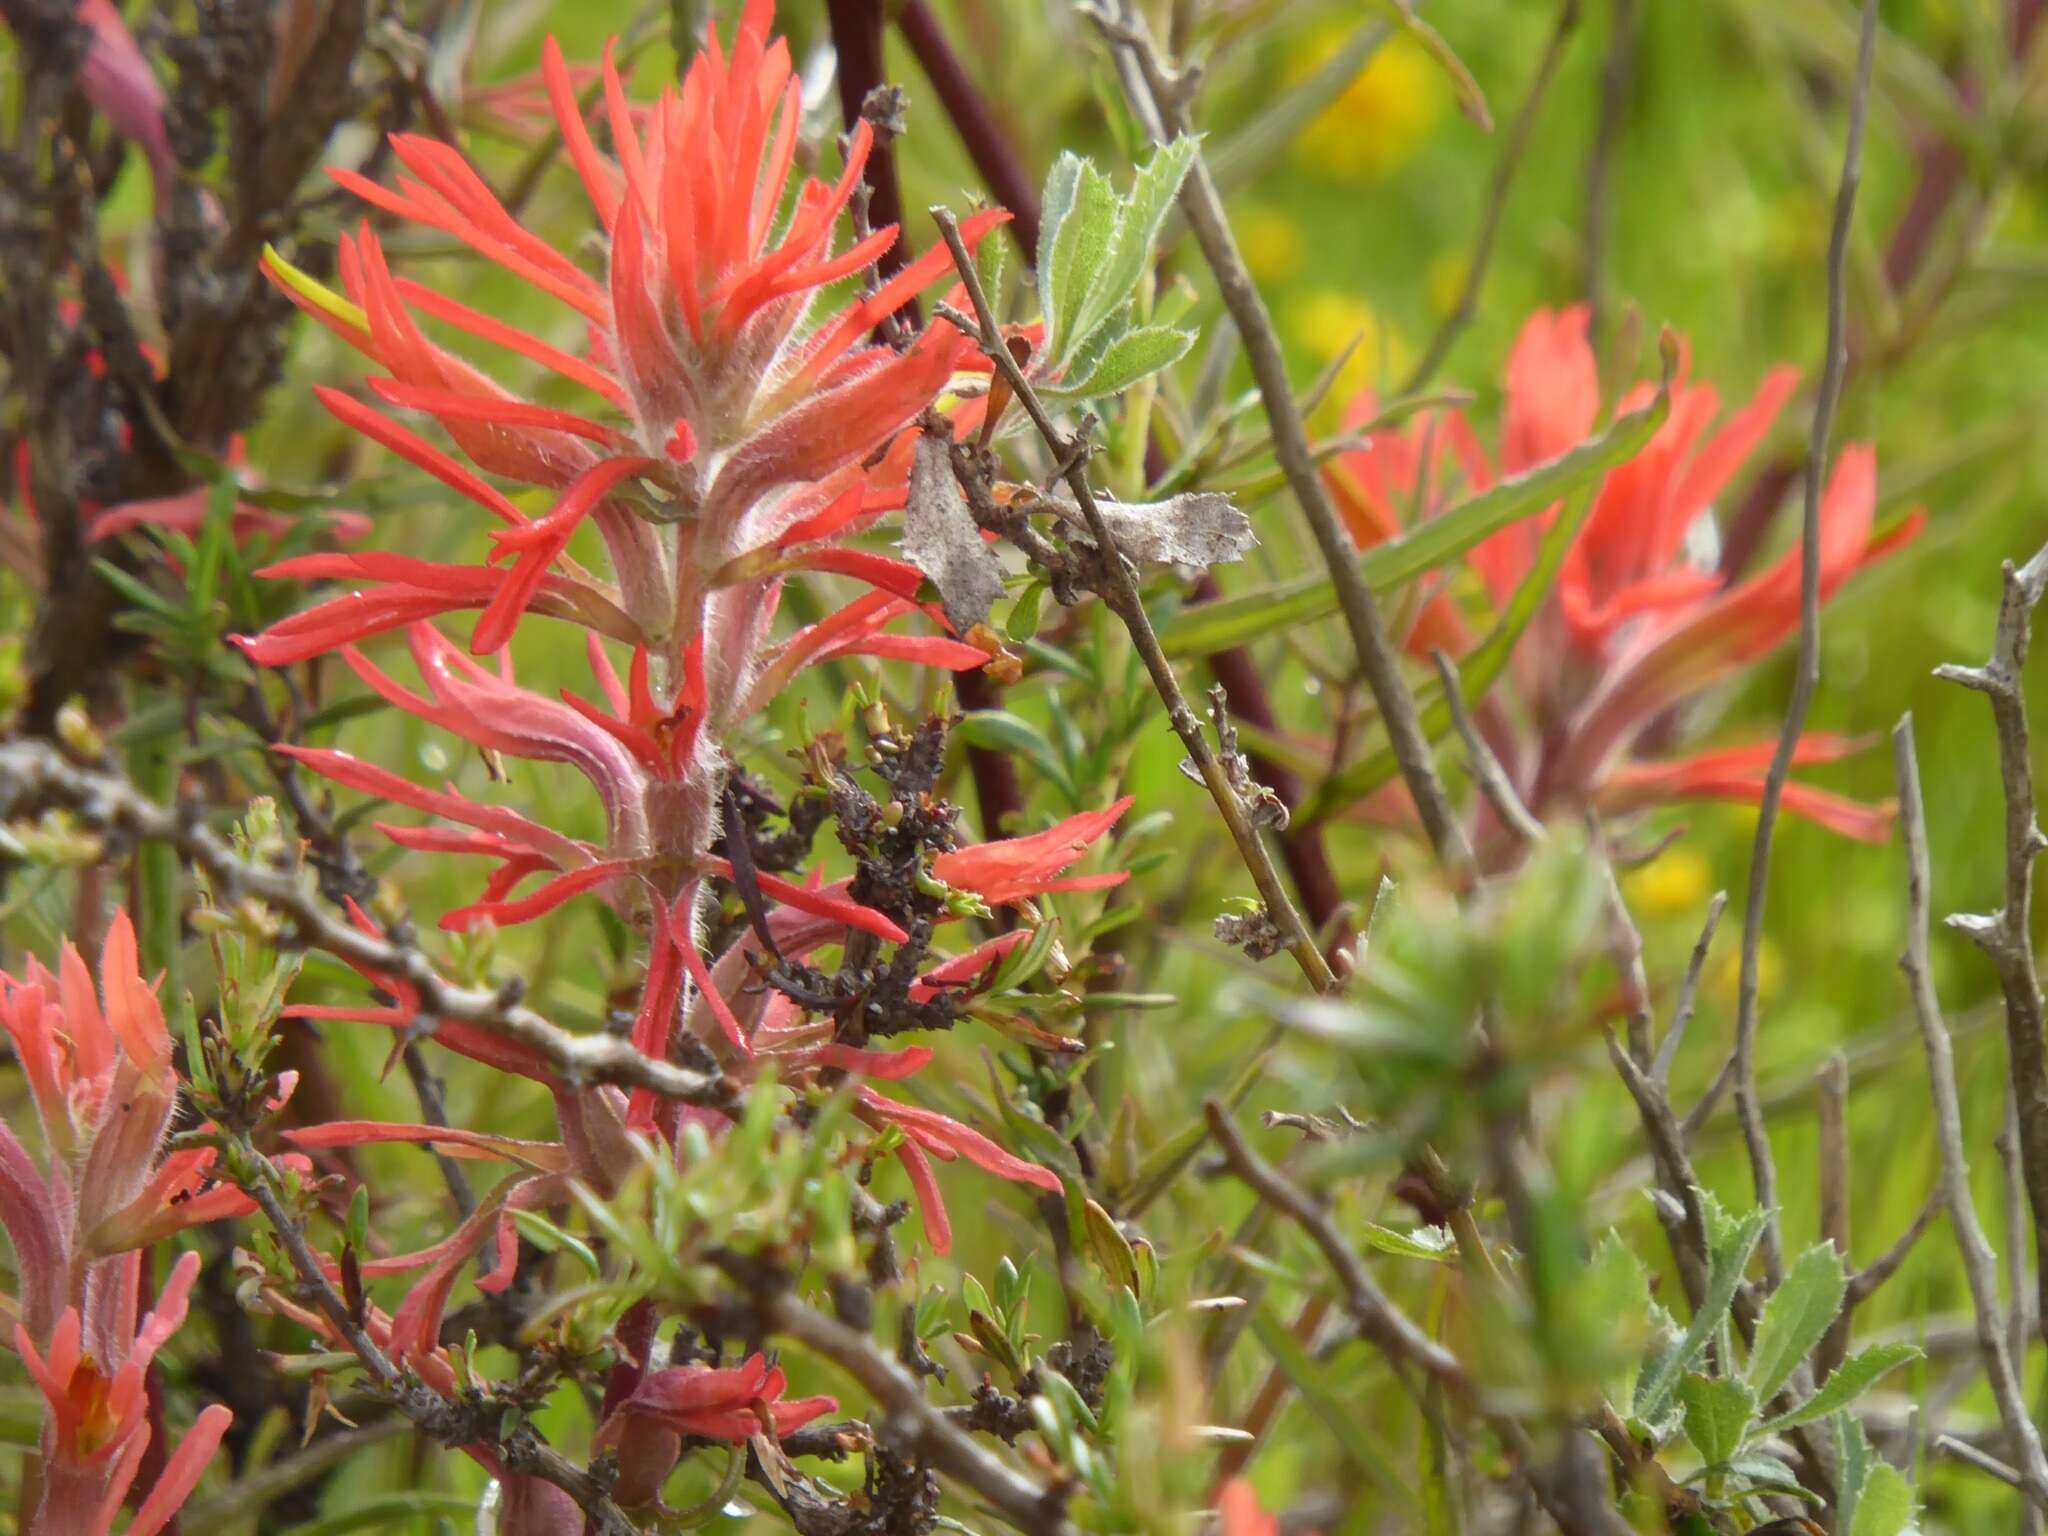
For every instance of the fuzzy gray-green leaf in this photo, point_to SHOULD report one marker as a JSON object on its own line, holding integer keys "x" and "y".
{"x": 1794, "y": 1319}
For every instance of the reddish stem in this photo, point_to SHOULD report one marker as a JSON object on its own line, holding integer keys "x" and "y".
{"x": 857, "y": 34}
{"x": 857, "y": 37}
{"x": 987, "y": 145}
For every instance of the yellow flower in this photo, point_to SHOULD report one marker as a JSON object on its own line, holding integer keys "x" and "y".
{"x": 1271, "y": 242}
{"x": 1673, "y": 884}
{"x": 1445, "y": 280}
{"x": 1724, "y": 973}
{"x": 1322, "y": 322}
{"x": 1379, "y": 119}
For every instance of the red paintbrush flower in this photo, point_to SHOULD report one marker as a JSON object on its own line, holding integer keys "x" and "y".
{"x": 1635, "y": 627}
{"x": 98, "y": 1066}
{"x": 95, "y": 1427}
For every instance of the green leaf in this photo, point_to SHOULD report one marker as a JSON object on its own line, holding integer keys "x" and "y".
{"x": 1134, "y": 355}
{"x": 1000, "y": 731}
{"x": 1886, "y": 1507}
{"x": 1718, "y": 1411}
{"x": 1853, "y": 1460}
{"x": 1334, "y": 1407}
{"x": 1729, "y": 1258}
{"x": 1432, "y": 1243}
{"x": 1112, "y": 1250}
{"x": 1210, "y": 627}
{"x": 1851, "y": 1379}
{"x": 1080, "y": 245}
{"x": 1799, "y": 1312}
{"x": 386, "y": 1512}
{"x": 1022, "y": 623}
{"x": 549, "y": 1238}
{"x": 1153, "y": 190}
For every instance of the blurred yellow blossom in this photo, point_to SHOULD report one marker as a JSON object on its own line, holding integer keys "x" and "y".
{"x": 1724, "y": 973}
{"x": 1673, "y": 884}
{"x": 1270, "y": 241}
{"x": 1445, "y": 280}
{"x": 1378, "y": 120}
{"x": 1322, "y": 322}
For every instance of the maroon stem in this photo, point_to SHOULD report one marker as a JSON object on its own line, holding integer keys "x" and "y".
{"x": 857, "y": 34}
{"x": 987, "y": 145}
{"x": 857, "y": 38}
{"x": 1941, "y": 176}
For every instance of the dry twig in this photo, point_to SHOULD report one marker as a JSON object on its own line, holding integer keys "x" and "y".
{"x": 1980, "y": 1264}
{"x": 36, "y": 777}
{"x": 1756, "y": 1136}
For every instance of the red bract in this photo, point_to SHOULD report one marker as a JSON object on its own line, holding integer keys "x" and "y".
{"x": 1635, "y": 628}
{"x": 94, "y": 1427}
{"x": 99, "y": 1069}
{"x": 1238, "y": 1512}
{"x": 733, "y": 1404}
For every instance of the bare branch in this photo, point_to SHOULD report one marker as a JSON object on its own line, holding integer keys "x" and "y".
{"x": 1378, "y": 1319}
{"x": 1120, "y": 591}
{"x": 1831, "y": 1101}
{"x": 2007, "y": 934}
{"x": 452, "y": 1423}
{"x": 1756, "y": 1136}
{"x": 1487, "y": 773}
{"x": 911, "y": 1424}
{"x": 1505, "y": 168}
{"x": 1980, "y": 1264}
{"x": 35, "y": 777}
{"x": 1688, "y": 992}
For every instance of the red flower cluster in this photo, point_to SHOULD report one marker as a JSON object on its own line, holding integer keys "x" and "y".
{"x": 99, "y": 1070}
{"x": 733, "y": 440}
{"x": 1635, "y": 626}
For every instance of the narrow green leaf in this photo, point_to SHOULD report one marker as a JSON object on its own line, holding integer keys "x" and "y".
{"x": 1083, "y": 243}
{"x": 1660, "y": 1379}
{"x": 1797, "y": 1315}
{"x": 1718, "y": 1411}
{"x": 1111, "y": 1248}
{"x": 1432, "y": 1243}
{"x": 386, "y": 1512}
{"x": 1851, "y": 1379}
{"x": 1134, "y": 355}
{"x": 1000, "y": 731}
{"x": 1210, "y": 627}
{"x": 1336, "y": 1409}
{"x": 549, "y": 1238}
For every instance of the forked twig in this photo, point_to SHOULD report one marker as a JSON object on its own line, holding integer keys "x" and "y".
{"x": 1980, "y": 1264}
